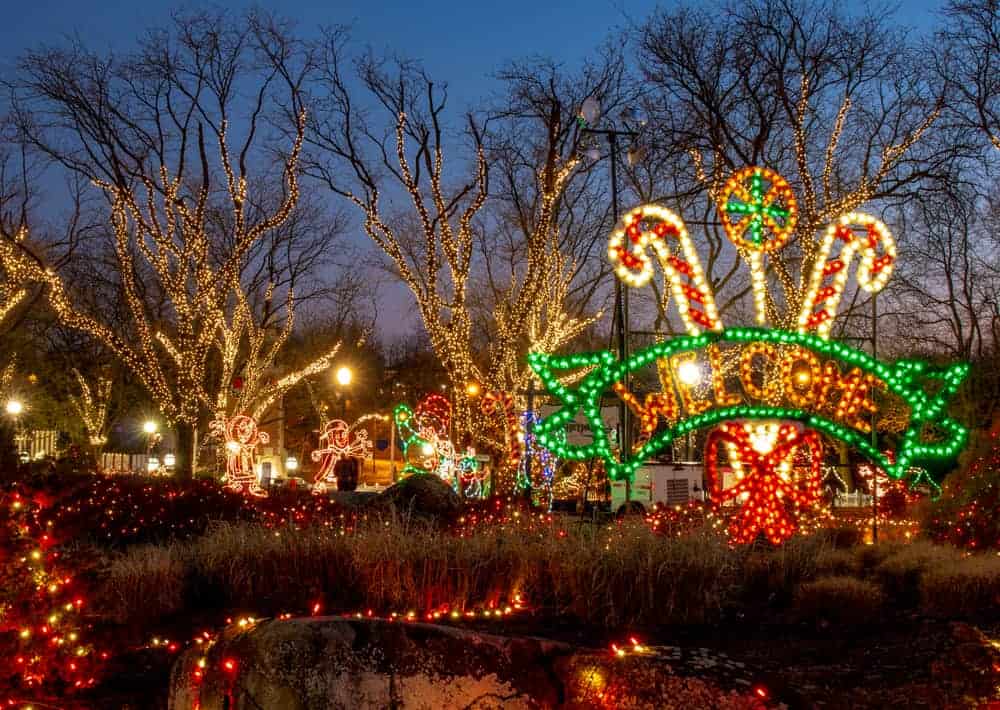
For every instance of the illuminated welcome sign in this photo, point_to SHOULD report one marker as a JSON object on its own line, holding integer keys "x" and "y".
{"x": 769, "y": 395}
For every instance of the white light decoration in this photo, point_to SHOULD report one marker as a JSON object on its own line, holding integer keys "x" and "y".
{"x": 689, "y": 373}
{"x": 652, "y": 225}
{"x": 14, "y": 407}
{"x": 829, "y": 275}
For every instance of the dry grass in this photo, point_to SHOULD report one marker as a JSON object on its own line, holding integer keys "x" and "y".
{"x": 901, "y": 571}
{"x": 839, "y": 563}
{"x": 612, "y": 576}
{"x": 968, "y": 587}
{"x": 145, "y": 584}
{"x": 843, "y": 601}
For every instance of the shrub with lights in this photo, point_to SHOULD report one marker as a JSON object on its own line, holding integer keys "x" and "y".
{"x": 766, "y": 393}
{"x": 967, "y": 513}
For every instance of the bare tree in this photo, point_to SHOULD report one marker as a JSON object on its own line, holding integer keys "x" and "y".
{"x": 839, "y": 104}
{"x": 968, "y": 59}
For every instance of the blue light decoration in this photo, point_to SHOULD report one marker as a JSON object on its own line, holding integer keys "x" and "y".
{"x": 542, "y": 460}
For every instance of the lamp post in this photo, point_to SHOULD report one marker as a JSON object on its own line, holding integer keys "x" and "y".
{"x": 344, "y": 376}
{"x": 690, "y": 375}
{"x": 874, "y": 420}
{"x": 590, "y": 111}
{"x": 14, "y": 408}
{"x": 149, "y": 427}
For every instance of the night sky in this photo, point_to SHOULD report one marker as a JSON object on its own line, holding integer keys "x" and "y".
{"x": 458, "y": 42}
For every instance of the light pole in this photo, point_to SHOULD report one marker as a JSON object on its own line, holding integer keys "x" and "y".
{"x": 590, "y": 111}
{"x": 14, "y": 408}
{"x": 690, "y": 375}
{"x": 874, "y": 421}
{"x": 149, "y": 427}
{"x": 344, "y": 377}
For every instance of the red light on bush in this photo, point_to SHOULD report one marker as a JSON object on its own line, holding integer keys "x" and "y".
{"x": 761, "y": 692}
{"x": 230, "y": 665}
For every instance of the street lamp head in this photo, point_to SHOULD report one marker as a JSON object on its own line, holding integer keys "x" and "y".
{"x": 149, "y": 426}
{"x": 344, "y": 376}
{"x": 14, "y": 407}
{"x": 291, "y": 463}
{"x": 472, "y": 389}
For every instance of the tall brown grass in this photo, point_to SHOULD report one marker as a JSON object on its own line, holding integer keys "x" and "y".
{"x": 609, "y": 576}
{"x": 968, "y": 587}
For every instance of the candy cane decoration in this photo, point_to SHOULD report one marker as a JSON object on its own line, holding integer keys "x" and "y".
{"x": 652, "y": 225}
{"x": 494, "y": 402}
{"x": 829, "y": 275}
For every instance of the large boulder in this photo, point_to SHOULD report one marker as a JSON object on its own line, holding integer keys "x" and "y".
{"x": 328, "y": 663}
{"x": 421, "y": 494}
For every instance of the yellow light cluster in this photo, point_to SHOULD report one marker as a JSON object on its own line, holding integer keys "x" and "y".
{"x": 651, "y": 226}
{"x": 829, "y": 275}
{"x": 91, "y": 406}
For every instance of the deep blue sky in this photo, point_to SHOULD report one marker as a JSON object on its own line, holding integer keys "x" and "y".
{"x": 458, "y": 42}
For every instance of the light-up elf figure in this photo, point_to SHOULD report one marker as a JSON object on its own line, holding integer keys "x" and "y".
{"x": 427, "y": 448}
{"x": 337, "y": 441}
{"x": 767, "y": 394}
{"x": 241, "y": 436}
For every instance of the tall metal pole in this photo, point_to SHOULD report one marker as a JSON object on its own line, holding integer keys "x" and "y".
{"x": 874, "y": 431}
{"x": 621, "y": 304}
{"x": 392, "y": 447}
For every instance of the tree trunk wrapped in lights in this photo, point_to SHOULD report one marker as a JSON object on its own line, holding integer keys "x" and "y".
{"x": 91, "y": 406}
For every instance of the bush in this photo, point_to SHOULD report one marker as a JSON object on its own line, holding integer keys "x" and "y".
{"x": 967, "y": 514}
{"x": 843, "y": 601}
{"x": 902, "y": 571}
{"x": 145, "y": 584}
{"x": 968, "y": 587}
{"x": 839, "y": 563}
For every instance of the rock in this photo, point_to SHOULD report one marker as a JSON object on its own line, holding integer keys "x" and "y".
{"x": 328, "y": 663}
{"x": 421, "y": 494}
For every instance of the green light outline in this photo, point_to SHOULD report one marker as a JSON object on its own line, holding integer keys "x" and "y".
{"x": 904, "y": 378}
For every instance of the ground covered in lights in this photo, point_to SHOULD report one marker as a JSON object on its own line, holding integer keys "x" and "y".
{"x": 104, "y": 581}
